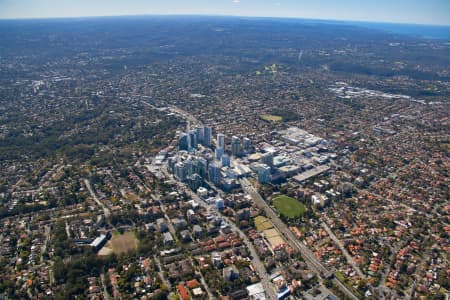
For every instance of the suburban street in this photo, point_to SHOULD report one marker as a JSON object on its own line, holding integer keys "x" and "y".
{"x": 103, "y": 283}
{"x": 106, "y": 210}
{"x": 347, "y": 255}
{"x": 161, "y": 272}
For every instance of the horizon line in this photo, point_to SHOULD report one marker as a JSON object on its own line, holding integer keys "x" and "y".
{"x": 219, "y": 15}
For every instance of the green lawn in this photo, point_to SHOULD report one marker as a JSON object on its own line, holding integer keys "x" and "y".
{"x": 271, "y": 118}
{"x": 339, "y": 276}
{"x": 289, "y": 207}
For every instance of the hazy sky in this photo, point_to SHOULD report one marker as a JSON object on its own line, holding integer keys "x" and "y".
{"x": 401, "y": 11}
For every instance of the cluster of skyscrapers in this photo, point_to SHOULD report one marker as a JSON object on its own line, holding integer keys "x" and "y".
{"x": 193, "y": 167}
{"x": 236, "y": 147}
{"x": 190, "y": 141}
{"x": 190, "y": 169}
{"x": 203, "y": 135}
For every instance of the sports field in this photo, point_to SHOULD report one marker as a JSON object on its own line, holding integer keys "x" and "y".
{"x": 274, "y": 237}
{"x": 262, "y": 223}
{"x": 123, "y": 243}
{"x": 289, "y": 207}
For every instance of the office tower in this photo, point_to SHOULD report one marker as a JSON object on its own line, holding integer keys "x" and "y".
{"x": 202, "y": 166}
{"x": 180, "y": 171}
{"x": 247, "y": 143}
{"x": 267, "y": 159}
{"x": 183, "y": 142}
{"x": 264, "y": 174}
{"x": 195, "y": 166}
{"x": 219, "y": 152}
{"x": 188, "y": 167}
{"x": 235, "y": 146}
{"x": 221, "y": 140}
{"x": 214, "y": 173}
{"x": 225, "y": 160}
{"x": 171, "y": 161}
{"x": 200, "y": 135}
{"x": 193, "y": 139}
{"x": 207, "y": 135}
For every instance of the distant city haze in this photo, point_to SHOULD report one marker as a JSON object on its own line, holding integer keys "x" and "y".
{"x": 433, "y": 12}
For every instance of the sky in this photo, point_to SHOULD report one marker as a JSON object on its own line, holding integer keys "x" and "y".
{"x": 435, "y": 12}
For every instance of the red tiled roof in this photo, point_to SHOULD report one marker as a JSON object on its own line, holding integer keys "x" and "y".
{"x": 183, "y": 292}
{"x": 192, "y": 284}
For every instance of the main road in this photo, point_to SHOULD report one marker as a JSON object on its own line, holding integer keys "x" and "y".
{"x": 312, "y": 262}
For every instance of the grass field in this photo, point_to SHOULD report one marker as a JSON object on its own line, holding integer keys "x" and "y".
{"x": 289, "y": 207}
{"x": 271, "y": 118}
{"x": 123, "y": 243}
